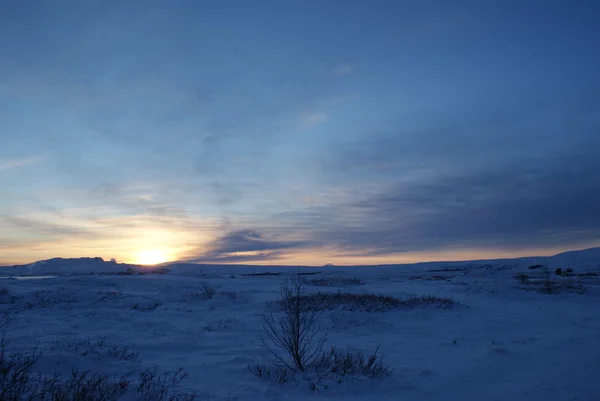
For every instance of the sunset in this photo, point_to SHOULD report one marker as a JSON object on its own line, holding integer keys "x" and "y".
{"x": 259, "y": 200}
{"x": 390, "y": 132}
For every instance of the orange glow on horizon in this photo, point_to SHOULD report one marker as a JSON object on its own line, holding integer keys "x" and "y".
{"x": 143, "y": 242}
{"x": 149, "y": 257}
{"x": 322, "y": 258}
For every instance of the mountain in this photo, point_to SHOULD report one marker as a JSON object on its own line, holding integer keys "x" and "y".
{"x": 585, "y": 258}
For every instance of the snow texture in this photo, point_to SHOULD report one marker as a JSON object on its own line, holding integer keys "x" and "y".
{"x": 504, "y": 340}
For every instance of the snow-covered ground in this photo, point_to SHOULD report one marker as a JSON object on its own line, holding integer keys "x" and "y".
{"x": 503, "y": 341}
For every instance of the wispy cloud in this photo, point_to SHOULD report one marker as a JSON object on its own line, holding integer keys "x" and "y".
{"x": 512, "y": 206}
{"x": 44, "y": 228}
{"x": 343, "y": 69}
{"x": 479, "y": 180}
{"x": 246, "y": 246}
{"x": 6, "y": 164}
{"x": 313, "y": 119}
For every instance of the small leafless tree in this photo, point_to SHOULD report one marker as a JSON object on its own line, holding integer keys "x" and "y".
{"x": 548, "y": 284}
{"x": 293, "y": 338}
{"x": 208, "y": 291}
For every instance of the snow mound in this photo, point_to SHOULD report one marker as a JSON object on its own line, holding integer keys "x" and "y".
{"x": 62, "y": 266}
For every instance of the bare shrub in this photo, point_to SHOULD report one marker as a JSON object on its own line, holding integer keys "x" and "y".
{"x": 16, "y": 372}
{"x": 7, "y": 298}
{"x": 18, "y": 382}
{"x": 279, "y": 374}
{"x": 222, "y": 323}
{"x": 155, "y": 387}
{"x": 522, "y": 277}
{"x": 334, "y": 281}
{"x": 229, "y": 294}
{"x": 83, "y": 386}
{"x": 145, "y": 307}
{"x": 338, "y": 363}
{"x": 293, "y": 339}
{"x": 85, "y": 347}
{"x": 110, "y": 296}
{"x": 569, "y": 285}
{"x": 295, "y": 342}
{"x": 122, "y": 353}
{"x": 552, "y": 281}
{"x": 51, "y": 298}
{"x": 548, "y": 285}
{"x": 100, "y": 348}
{"x": 496, "y": 348}
{"x": 431, "y": 278}
{"x": 208, "y": 291}
{"x": 192, "y": 296}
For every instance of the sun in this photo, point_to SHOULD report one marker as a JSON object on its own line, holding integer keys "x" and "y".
{"x": 151, "y": 257}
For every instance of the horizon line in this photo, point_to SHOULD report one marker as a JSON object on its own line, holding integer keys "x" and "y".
{"x": 306, "y": 265}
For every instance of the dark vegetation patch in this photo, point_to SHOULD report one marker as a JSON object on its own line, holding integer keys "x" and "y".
{"x": 309, "y": 273}
{"x": 453, "y": 269}
{"x": 372, "y": 302}
{"x": 550, "y": 282}
{"x": 430, "y": 278}
{"x": 261, "y": 274}
{"x": 19, "y": 381}
{"x": 160, "y": 272}
{"x": 334, "y": 281}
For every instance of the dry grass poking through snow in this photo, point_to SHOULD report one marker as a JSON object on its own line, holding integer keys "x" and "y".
{"x": 295, "y": 341}
{"x": 20, "y": 382}
{"x": 550, "y": 282}
{"x": 339, "y": 363}
{"x": 99, "y": 349}
{"x": 334, "y": 281}
{"x": 371, "y": 302}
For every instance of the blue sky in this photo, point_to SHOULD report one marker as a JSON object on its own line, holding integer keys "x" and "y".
{"x": 295, "y": 132}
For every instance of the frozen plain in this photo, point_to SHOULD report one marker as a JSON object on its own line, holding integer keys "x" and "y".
{"x": 504, "y": 340}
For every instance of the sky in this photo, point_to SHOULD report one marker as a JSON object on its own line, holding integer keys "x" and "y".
{"x": 298, "y": 132}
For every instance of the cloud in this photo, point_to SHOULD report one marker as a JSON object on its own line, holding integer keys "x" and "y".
{"x": 13, "y": 244}
{"x": 44, "y": 228}
{"x": 245, "y": 246}
{"x": 523, "y": 205}
{"x": 226, "y": 194}
{"x": 518, "y": 176}
{"x": 152, "y": 199}
{"x": 343, "y": 69}
{"x": 13, "y": 163}
{"x": 238, "y": 258}
{"x": 313, "y": 119}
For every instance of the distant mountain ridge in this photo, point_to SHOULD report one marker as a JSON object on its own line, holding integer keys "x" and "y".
{"x": 583, "y": 258}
